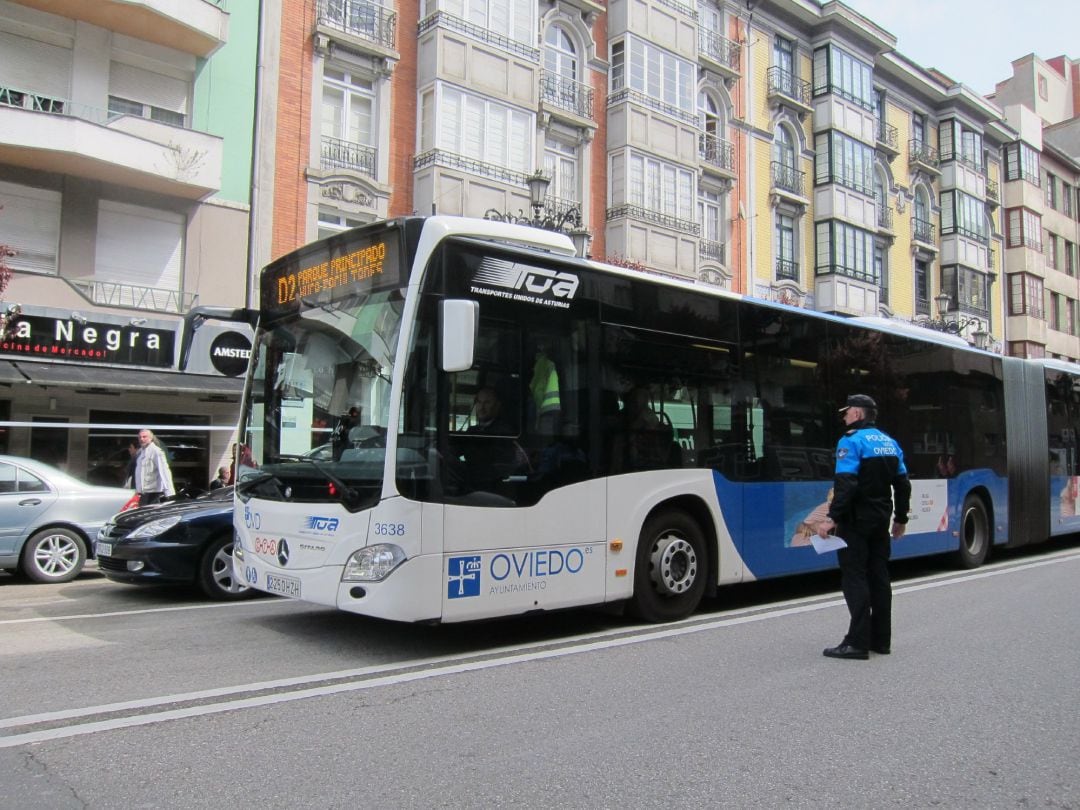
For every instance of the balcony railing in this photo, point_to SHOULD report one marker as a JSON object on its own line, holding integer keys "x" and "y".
{"x": 366, "y": 20}
{"x": 868, "y": 276}
{"x": 888, "y": 135}
{"x": 992, "y": 192}
{"x": 924, "y": 153}
{"x": 566, "y": 94}
{"x": 26, "y": 100}
{"x": 716, "y": 151}
{"x": 441, "y": 19}
{"x": 788, "y": 179}
{"x": 454, "y": 160}
{"x": 714, "y": 251}
{"x": 657, "y": 217}
{"x": 787, "y": 84}
{"x": 338, "y": 154}
{"x": 884, "y": 217}
{"x": 922, "y": 230}
{"x": 922, "y": 306}
{"x": 787, "y": 270}
{"x": 133, "y": 296}
{"x": 719, "y": 49}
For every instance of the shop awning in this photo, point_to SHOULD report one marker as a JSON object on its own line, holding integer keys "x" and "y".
{"x": 88, "y": 377}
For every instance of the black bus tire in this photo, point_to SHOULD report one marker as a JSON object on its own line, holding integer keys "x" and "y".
{"x": 975, "y": 533}
{"x": 670, "y": 568}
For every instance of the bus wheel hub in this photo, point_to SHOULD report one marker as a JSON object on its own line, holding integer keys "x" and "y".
{"x": 674, "y": 565}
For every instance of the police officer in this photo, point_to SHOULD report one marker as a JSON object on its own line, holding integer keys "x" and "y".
{"x": 871, "y": 481}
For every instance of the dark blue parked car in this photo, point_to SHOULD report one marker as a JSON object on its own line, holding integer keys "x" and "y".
{"x": 189, "y": 541}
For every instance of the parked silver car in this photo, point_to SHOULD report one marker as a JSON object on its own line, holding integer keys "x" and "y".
{"x": 48, "y": 519}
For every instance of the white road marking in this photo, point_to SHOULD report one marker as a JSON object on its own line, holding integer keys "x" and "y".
{"x": 439, "y": 667}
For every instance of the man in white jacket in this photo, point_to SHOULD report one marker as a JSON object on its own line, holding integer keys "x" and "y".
{"x": 153, "y": 479}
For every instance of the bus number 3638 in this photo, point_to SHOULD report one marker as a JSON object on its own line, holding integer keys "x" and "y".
{"x": 390, "y": 529}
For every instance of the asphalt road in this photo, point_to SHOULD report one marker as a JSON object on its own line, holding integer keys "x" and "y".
{"x": 124, "y": 697}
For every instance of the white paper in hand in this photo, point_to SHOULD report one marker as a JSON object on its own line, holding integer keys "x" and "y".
{"x": 825, "y": 544}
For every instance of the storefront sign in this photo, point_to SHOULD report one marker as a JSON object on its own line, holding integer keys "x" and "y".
{"x": 230, "y": 353}
{"x": 38, "y": 337}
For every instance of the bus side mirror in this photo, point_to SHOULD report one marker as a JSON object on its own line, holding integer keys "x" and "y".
{"x": 460, "y": 321}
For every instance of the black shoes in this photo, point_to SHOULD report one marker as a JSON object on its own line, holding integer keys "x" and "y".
{"x": 847, "y": 652}
{"x": 880, "y": 649}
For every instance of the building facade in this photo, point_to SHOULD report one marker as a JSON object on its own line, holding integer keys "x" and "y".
{"x": 779, "y": 148}
{"x": 125, "y": 176}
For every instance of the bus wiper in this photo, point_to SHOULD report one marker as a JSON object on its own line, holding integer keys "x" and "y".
{"x": 349, "y": 496}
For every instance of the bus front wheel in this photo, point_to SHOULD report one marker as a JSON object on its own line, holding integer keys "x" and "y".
{"x": 974, "y": 533}
{"x": 670, "y": 569}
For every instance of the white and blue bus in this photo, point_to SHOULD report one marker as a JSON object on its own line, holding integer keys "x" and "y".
{"x": 651, "y": 440}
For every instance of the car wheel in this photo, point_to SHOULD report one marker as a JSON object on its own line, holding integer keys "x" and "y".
{"x": 216, "y": 576}
{"x": 53, "y": 555}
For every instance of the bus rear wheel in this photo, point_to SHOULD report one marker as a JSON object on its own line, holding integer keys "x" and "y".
{"x": 670, "y": 569}
{"x": 974, "y": 533}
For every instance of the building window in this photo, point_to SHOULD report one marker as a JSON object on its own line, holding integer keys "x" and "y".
{"x": 844, "y": 160}
{"x": 125, "y": 106}
{"x": 331, "y": 222}
{"x": 1023, "y": 228}
{"x": 786, "y": 265}
{"x": 561, "y": 165}
{"x": 881, "y": 269}
{"x": 654, "y": 72}
{"x": 661, "y": 187}
{"x": 1051, "y": 191}
{"x": 964, "y": 215}
{"x": 30, "y": 224}
{"x": 560, "y": 55}
{"x": 838, "y": 72}
{"x": 1044, "y": 93}
{"x": 784, "y": 55}
{"x": 968, "y": 289}
{"x": 1021, "y": 163}
{"x": 1070, "y": 257}
{"x": 1067, "y": 199}
{"x": 922, "y": 287}
{"x": 920, "y": 133}
{"x": 483, "y": 129}
{"x": 961, "y": 143}
{"x": 711, "y": 218}
{"x": 348, "y": 108}
{"x": 1051, "y": 250}
{"x": 514, "y": 19}
{"x": 1025, "y": 295}
{"x": 846, "y": 250}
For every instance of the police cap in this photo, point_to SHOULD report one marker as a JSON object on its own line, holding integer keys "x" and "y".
{"x": 860, "y": 401}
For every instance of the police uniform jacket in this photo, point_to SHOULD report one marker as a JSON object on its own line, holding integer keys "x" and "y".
{"x": 870, "y": 474}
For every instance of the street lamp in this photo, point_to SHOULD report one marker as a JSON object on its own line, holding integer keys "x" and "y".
{"x": 567, "y": 220}
{"x": 980, "y": 336}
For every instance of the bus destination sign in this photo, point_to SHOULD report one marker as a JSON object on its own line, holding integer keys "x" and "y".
{"x": 336, "y": 271}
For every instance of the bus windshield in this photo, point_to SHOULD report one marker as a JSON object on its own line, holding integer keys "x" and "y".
{"x": 318, "y": 407}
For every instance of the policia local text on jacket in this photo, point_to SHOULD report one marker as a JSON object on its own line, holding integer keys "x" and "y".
{"x": 870, "y": 482}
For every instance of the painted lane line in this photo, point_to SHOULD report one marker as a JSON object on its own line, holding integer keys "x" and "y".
{"x": 414, "y": 675}
{"x": 112, "y": 614}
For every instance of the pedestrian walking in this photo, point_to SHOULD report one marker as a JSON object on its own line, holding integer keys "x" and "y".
{"x": 153, "y": 478}
{"x": 870, "y": 483}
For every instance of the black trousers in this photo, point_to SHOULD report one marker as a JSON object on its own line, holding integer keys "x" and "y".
{"x": 864, "y": 579}
{"x": 148, "y": 498}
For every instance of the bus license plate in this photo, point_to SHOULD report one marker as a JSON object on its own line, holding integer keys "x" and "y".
{"x": 286, "y": 586}
{"x": 103, "y": 549}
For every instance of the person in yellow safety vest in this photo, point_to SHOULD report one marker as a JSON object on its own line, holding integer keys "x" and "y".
{"x": 544, "y": 387}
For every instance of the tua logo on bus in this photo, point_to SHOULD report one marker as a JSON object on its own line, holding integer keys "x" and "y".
{"x": 463, "y": 577}
{"x": 534, "y": 280}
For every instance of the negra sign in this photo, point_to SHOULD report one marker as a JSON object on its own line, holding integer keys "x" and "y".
{"x": 229, "y": 353}
{"x": 70, "y": 339}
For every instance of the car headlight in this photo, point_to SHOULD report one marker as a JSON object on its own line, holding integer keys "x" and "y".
{"x": 155, "y": 527}
{"x": 372, "y": 563}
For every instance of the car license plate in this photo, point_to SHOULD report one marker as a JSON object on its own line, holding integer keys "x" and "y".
{"x": 286, "y": 586}
{"x": 103, "y": 549}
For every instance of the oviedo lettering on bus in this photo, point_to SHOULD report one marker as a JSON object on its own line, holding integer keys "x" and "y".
{"x": 510, "y": 572}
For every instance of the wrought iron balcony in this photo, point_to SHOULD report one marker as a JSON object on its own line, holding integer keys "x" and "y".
{"x": 338, "y": 154}
{"x": 656, "y": 217}
{"x": 133, "y": 296}
{"x": 366, "y": 20}
{"x": 922, "y": 230}
{"x": 788, "y": 179}
{"x": 884, "y": 217}
{"x": 716, "y": 151}
{"x": 888, "y": 135}
{"x": 787, "y": 270}
{"x": 922, "y": 152}
{"x": 786, "y": 84}
{"x": 714, "y": 251}
{"x": 992, "y": 191}
{"x": 719, "y": 49}
{"x": 566, "y": 94}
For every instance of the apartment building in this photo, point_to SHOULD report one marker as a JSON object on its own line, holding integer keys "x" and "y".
{"x": 125, "y": 166}
{"x": 779, "y": 148}
{"x": 1041, "y": 101}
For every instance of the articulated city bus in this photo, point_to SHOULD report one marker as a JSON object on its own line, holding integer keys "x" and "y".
{"x": 449, "y": 419}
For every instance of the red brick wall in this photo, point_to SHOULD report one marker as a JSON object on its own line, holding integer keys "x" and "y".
{"x": 596, "y": 187}
{"x": 403, "y": 112}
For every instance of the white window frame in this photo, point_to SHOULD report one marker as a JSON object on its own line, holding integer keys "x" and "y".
{"x": 484, "y": 129}
{"x": 661, "y": 187}
{"x": 353, "y": 88}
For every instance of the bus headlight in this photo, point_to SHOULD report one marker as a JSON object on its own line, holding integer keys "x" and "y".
{"x": 372, "y": 563}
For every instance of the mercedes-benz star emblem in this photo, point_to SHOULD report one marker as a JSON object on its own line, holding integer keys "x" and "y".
{"x": 282, "y": 551}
